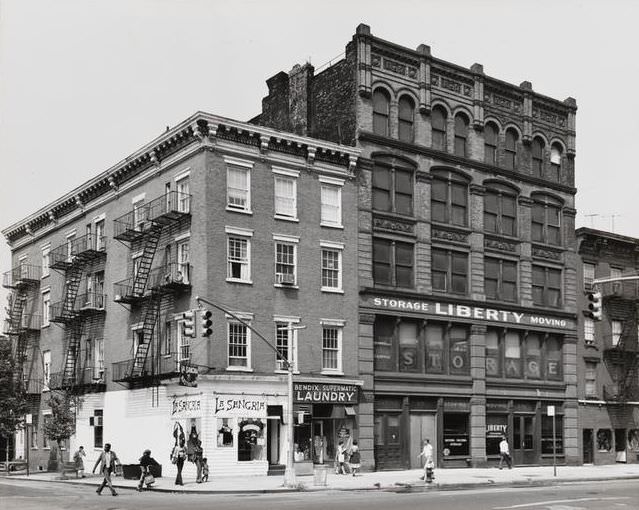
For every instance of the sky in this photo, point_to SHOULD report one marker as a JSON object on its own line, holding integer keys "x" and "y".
{"x": 84, "y": 83}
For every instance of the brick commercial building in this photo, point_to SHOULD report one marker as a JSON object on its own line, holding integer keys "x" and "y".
{"x": 466, "y": 251}
{"x": 260, "y": 221}
{"x": 608, "y": 391}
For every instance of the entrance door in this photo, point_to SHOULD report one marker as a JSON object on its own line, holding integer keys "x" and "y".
{"x": 273, "y": 441}
{"x": 388, "y": 441}
{"x": 422, "y": 427}
{"x": 524, "y": 439}
{"x": 588, "y": 446}
{"x": 620, "y": 445}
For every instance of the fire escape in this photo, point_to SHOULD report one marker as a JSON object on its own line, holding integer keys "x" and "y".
{"x": 621, "y": 354}
{"x": 23, "y": 280}
{"x": 74, "y": 310}
{"x": 143, "y": 227}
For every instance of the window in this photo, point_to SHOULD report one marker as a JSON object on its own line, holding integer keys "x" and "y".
{"x": 46, "y": 307}
{"x": 238, "y": 255}
{"x": 435, "y": 349}
{"x": 96, "y": 349}
{"x": 238, "y": 188}
{"x": 589, "y": 331}
{"x": 533, "y": 356}
{"x": 449, "y": 198}
{"x": 456, "y": 433}
{"x": 555, "y": 161}
{"x": 552, "y": 352}
{"x": 331, "y": 347}
{"x": 461, "y": 134}
{"x": 459, "y": 350}
{"x": 547, "y": 434}
{"x": 285, "y": 194}
{"x": 183, "y": 344}
{"x": 393, "y": 263}
{"x": 184, "y": 261}
{"x": 45, "y": 261}
{"x": 34, "y": 431}
{"x": 500, "y": 279}
{"x": 617, "y": 329}
{"x": 331, "y": 202}
{"x": 438, "y": 128}
{"x": 286, "y": 261}
{"x": 604, "y": 440}
{"x": 406, "y": 118}
{"x": 98, "y": 427}
{"x": 381, "y": 112}
{"x": 100, "y": 237}
{"x": 392, "y": 187}
{"x": 589, "y": 275}
{"x": 546, "y": 286}
{"x": 136, "y": 261}
{"x": 331, "y": 267}
{"x": 139, "y": 214}
{"x": 408, "y": 342}
{"x": 251, "y": 443}
{"x": 167, "y": 343}
{"x": 239, "y": 340}
{"x": 491, "y": 136}
{"x": 71, "y": 246}
{"x": 510, "y": 149}
{"x": 546, "y": 221}
{"x": 46, "y": 418}
{"x": 500, "y": 211}
{"x": 512, "y": 355}
{"x": 183, "y": 195}
{"x": 493, "y": 354}
{"x": 46, "y": 368}
{"x": 537, "y": 150}
{"x": 449, "y": 271}
{"x": 225, "y": 432}
{"x": 286, "y": 342}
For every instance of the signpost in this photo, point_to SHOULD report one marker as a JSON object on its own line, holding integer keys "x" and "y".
{"x": 28, "y": 421}
{"x": 551, "y": 412}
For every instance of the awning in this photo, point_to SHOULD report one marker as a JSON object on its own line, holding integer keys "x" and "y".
{"x": 275, "y": 413}
{"x": 350, "y": 411}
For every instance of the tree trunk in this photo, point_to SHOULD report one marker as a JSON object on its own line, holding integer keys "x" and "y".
{"x": 60, "y": 457}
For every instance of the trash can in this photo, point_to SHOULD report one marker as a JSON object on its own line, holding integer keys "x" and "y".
{"x": 319, "y": 475}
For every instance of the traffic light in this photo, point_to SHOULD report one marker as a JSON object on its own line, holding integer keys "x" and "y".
{"x": 594, "y": 305}
{"x": 207, "y": 323}
{"x": 188, "y": 324}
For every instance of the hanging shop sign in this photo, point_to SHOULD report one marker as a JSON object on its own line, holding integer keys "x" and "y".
{"x": 322, "y": 393}
{"x": 188, "y": 376}
{"x": 452, "y": 310}
{"x": 245, "y": 406}
{"x": 186, "y": 407}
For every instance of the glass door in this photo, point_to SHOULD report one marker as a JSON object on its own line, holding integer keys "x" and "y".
{"x": 523, "y": 447}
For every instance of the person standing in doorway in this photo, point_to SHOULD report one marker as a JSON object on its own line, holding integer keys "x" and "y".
{"x": 504, "y": 453}
{"x": 78, "y": 460}
{"x": 178, "y": 456}
{"x": 429, "y": 463}
{"x": 107, "y": 462}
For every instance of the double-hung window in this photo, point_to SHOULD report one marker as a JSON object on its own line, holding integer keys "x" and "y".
{"x": 589, "y": 331}
{"x": 438, "y": 128}
{"x": 546, "y": 286}
{"x": 285, "y": 260}
{"x": 449, "y": 271}
{"x": 546, "y": 221}
{"x": 285, "y": 194}
{"x": 381, "y": 112}
{"x": 491, "y": 137}
{"x": 392, "y": 186}
{"x": 406, "y": 118}
{"x": 500, "y": 279}
{"x": 590, "y": 380}
{"x": 331, "y": 202}
{"x": 617, "y": 330}
{"x": 461, "y": 134}
{"x": 239, "y": 342}
{"x": 537, "y": 150}
{"x": 449, "y": 198}
{"x": 500, "y": 211}
{"x": 238, "y": 250}
{"x": 46, "y": 260}
{"x": 393, "y": 263}
{"x": 286, "y": 341}
{"x": 46, "y": 368}
{"x": 510, "y": 149}
{"x": 331, "y": 266}
{"x": 139, "y": 212}
{"x": 46, "y": 307}
{"x": 182, "y": 186}
{"x": 100, "y": 237}
{"x": 184, "y": 260}
{"x": 589, "y": 275}
{"x": 238, "y": 185}
{"x": 332, "y": 346}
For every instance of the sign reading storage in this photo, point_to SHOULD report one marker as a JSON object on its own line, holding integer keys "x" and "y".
{"x": 323, "y": 393}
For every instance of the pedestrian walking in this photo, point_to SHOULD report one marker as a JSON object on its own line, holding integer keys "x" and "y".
{"x": 429, "y": 463}
{"x": 355, "y": 459}
{"x": 340, "y": 459}
{"x": 178, "y": 456}
{"x": 107, "y": 462}
{"x": 78, "y": 460}
{"x": 146, "y": 461}
{"x": 195, "y": 453}
{"x": 504, "y": 453}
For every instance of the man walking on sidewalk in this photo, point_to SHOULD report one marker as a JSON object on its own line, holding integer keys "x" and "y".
{"x": 107, "y": 461}
{"x": 504, "y": 453}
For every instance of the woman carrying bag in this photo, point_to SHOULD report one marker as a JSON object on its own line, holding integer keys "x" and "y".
{"x": 145, "y": 476}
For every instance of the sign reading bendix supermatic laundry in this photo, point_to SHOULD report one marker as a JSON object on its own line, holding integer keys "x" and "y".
{"x": 322, "y": 393}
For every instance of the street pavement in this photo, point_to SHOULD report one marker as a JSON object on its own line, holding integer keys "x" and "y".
{"x": 400, "y": 481}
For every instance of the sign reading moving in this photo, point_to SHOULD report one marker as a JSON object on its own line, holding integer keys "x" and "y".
{"x": 482, "y": 313}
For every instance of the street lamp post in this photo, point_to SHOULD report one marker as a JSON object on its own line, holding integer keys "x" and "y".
{"x": 289, "y": 473}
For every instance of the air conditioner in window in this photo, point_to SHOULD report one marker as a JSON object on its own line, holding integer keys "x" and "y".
{"x": 285, "y": 279}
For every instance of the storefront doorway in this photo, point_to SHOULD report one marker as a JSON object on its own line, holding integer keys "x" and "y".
{"x": 422, "y": 427}
{"x": 620, "y": 445}
{"x": 524, "y": 439}
{"x": 588, "y": 446}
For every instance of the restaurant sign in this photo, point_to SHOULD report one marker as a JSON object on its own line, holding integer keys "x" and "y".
{"x": 322, "y": 393}
{"x": 481, "y": 313}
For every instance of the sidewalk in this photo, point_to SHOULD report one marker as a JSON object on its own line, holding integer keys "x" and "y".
{"x": 381, "y": 480}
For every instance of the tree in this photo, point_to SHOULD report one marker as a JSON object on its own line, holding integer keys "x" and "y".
{"x": 61, "y": 425}
{"x": 13, "y": 401}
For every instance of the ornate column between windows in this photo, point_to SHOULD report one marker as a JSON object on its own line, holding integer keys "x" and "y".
{"x": 570, "y": 142}
{"x": 364, "y": 71}
{"x": 424, "y": 78}
{"x": 478, "y": 96}
{"x": 526, "y": 86}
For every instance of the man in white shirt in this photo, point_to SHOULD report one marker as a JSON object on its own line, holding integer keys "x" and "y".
{"x": 107, "y": 461}
{"x": 429, "y": 464}
{"x": 504, "y": 453}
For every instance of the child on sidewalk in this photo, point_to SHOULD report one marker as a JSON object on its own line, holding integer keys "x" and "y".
{"x": 354, "y": 461}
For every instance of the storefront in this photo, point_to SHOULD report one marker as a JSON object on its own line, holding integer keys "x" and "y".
{"x": 325, "y": 415}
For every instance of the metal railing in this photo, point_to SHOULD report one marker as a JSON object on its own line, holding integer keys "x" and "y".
{"x": 77, "y": 250}
{"x": 23, "y": 274}
{"x": 83, "y": 304}
{"x": 84, "y": 376}
{"x": 164, "y": 366}
{"x": 172, "y": 274}
{"x": 28, "y": 321}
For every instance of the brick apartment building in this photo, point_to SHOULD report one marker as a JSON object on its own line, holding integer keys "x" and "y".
{"x": 466, "y": 251}
{"x": 260, "y": 221}
{"x": 608, "y": 392}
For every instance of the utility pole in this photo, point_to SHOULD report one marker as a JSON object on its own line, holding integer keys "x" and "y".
{"x": 592, "y": 219}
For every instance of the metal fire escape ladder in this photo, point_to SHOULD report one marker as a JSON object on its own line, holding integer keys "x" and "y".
{"x": 73, "y": 277}
{"x": 628, "y": 343}
{"x": 141, "y": 278}
{"x": 17, "y": 307}
{"x": 73, "y": 335}
{"x": 15, "y": 329}
{"x": 151, "y": 314}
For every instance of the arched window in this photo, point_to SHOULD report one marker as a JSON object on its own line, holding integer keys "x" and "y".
{"x": 438, "y": 126}
{"x": 546, "y": 220}
{"x": 538, "y": 157}
{"x": 500, "y": 210}
{"x": 555, "y": 161}
{"x": 406, "y": 118}
{"x": 491, "y": 133}
{"x": 461, "y": 133}
{"x": 381, "y": 112}
{"x": 449, "y": 198}
{"x": 392, "y": 186}
{"x": 510, "y": 149}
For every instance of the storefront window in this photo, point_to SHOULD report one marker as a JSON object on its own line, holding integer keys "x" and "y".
{"x": 393, "y": 430}
{"x": 456, "y": 434}
{"x": 512, "y": 355}
{"x": 546, "y": 434}
{"x": 533, "y": 356}
{"x": 553, "y": 358}
{"x": 633, "y": 439}
{"x": 434, "y": 349}
{"x": 459, "y": 362}
{"x": 383, "y": 344}
{"x": 496, "y": 426}
{"x": 493, "y": 359}
{"x": 224, "y": 432}
{"x": 604, "y": 440}
{"x": 379, "y": 430}
{"x": 251, "y": 439}
{"x": 408, "y": 345}
{"x": 302, "y": 439}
